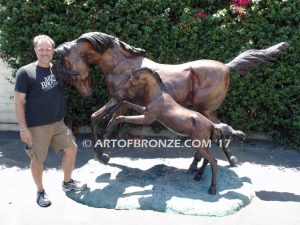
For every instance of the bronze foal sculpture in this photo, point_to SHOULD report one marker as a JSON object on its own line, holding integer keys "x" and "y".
{"x": 202, "y": 83}
{"x": 160, "y": 106}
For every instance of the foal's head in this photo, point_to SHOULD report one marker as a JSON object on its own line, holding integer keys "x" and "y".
{"x": 144, "y": 78}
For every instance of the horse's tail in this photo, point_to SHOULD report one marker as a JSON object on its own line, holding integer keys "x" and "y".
{"x": 253, "y": 58}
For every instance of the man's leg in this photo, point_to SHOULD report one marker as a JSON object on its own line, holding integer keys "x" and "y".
{"x": 68, "y": 165}
{"x": 36, "y": 167}
{"x": 68, "y": 162}
{"x": 38, "y": 153}
{"x": 63, "y": 139}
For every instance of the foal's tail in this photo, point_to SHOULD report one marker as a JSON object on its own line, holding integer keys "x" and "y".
{"x": 254, "y": 58}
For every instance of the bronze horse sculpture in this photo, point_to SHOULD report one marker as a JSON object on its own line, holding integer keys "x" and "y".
{"x": 202, "y": 83}
{"x": 160, "y": 106}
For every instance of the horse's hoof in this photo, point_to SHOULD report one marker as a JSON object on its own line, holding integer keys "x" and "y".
{"x": 233, "y": 161}
{"x": 197, "y": 177}
{"x": 104, "y": 158}
{"x": 191, "y": 170}
{"x": 212, "y": 190}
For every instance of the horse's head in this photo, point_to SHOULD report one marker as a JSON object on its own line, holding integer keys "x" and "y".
{"x": 74, "y": 67}
{"x": 91, "y": 49}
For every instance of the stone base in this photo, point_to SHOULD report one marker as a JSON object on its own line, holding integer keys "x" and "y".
{"x": 161, "y": 185}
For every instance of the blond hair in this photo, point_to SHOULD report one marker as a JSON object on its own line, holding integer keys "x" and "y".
{"x": 43, "y": 37}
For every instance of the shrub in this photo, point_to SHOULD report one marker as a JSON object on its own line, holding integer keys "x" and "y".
{"x": 265, "y": 100}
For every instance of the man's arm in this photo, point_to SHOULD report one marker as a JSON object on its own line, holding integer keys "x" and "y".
{"x": 20, "y": 113}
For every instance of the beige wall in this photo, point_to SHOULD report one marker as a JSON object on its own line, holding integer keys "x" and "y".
{"x": 8, "y": 119}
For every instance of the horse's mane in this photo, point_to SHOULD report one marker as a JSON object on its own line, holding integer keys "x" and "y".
{"x": 154, "y": 74}
{"x": 63, "y": 49}
{"x": 101, "y": 42}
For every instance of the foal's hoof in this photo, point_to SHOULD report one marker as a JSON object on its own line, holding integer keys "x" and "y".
{"x": 233, "y": 161}
{"x": 212, "y": 190}
{"x": 104, "y": 158}
{"x": 197, "y": 177}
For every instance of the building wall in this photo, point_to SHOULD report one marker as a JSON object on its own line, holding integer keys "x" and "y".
{"x": 8, "y": 119}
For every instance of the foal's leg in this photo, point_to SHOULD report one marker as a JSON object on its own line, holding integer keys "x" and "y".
{"x": 208, "y": 158}
{"x": 211, "y": 116}
{"x": 125, "y": 105}
{"x": 228, "y": 154}
{"x": 220, "y": 128}
{"x": 201, "y": 130}
{"x": 227, "y": 131}
{"x": 141, "y": 119}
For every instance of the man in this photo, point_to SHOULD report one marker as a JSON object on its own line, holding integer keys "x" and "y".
{"x": 40, "y": 108}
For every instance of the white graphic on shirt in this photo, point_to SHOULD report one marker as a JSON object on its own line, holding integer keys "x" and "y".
{"x": 49, "y": 82}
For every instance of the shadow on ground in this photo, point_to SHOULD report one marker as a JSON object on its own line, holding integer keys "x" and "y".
{"x": 163, "y": 188}
{"x": 277, "y": 196}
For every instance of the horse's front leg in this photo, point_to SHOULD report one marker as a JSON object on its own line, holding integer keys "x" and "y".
{"x": 119, "y": 112}
{"x": 96, "y": 116}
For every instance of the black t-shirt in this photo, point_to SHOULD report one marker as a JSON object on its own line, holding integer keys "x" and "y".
{"x": 45, "y": 100}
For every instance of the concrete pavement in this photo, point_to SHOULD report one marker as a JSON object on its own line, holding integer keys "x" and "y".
{"x": 273, "y": 169}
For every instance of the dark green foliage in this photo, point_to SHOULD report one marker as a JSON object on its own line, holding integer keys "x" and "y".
{"x": 266, "y": 100}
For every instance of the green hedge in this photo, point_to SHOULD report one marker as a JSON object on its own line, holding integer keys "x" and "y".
{"x": 265, "y": 100}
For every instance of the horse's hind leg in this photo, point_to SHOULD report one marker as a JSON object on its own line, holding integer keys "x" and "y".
{"x": 194, "y": 165}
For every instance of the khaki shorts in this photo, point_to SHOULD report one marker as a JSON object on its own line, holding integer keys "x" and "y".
{"x": 57, "y": 135}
